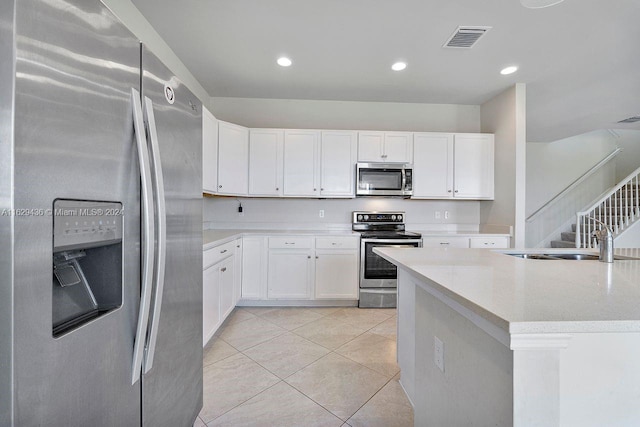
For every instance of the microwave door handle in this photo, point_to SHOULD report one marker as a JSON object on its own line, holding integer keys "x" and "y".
{"x": 148, "y": 232}
{"x": 404, "y": 181}
{"x": 162, "y": 234}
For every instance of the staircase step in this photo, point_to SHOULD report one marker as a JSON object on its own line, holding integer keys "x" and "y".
{"x": 568, "y": 236}
{"x": 562, "y": 244}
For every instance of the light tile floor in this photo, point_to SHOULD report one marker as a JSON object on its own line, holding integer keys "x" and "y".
{"x": 283, "y": 367}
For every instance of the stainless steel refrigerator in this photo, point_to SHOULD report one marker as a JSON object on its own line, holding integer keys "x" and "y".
{"x": 100, "y": 224}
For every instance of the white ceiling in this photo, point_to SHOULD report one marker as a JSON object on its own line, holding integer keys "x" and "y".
{"x": 580, "y": 59}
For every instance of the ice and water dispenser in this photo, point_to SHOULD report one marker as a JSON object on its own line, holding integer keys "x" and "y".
{"x": 87, "y": 262}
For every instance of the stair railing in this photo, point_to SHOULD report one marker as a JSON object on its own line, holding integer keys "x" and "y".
{"x": 618, "y": 209}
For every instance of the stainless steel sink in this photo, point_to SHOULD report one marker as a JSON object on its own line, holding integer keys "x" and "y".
{"x": 566, "y": 256}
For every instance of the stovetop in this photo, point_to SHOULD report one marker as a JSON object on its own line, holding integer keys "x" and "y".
{"x": 382, "y": 225}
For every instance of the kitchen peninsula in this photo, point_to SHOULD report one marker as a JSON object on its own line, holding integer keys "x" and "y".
{"x": 485, "y": 338}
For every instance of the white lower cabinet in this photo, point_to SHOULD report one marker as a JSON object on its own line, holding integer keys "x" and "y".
{"x": 219, "y": 282}
{"x": 210, "y": 303}
{"x": 254, "y": 268}
{"x": 300, "y": 268}
{"x": 336, "y": 274}
{"x": 290, "y": 267}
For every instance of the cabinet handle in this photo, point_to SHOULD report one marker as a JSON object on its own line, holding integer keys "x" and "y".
{"x": 333, "y": 243}
{"x": 308, "y": 256}
{"x": 456, "y": 191}
{"x": 223, "y": 269}
{"x": 444, "y": 243}
{"x": 277, "y": 189}
{"x": 238, "y": 246}
{"x": 321, "y": 189}
{"x": 317, "y": 257}
{"x": 289, "y": 243}
{"x": 384, "y": 156}
{"x": 314, "y": 189}
{"x": 448, "y": 191}
{"x": 219, "y": 186}
{"x": 223, "y": 251}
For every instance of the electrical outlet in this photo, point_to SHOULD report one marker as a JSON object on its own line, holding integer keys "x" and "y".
{"x": 438, "y": 353}
{"x": 438, "y": 214}
{"x": 321, "y": 213}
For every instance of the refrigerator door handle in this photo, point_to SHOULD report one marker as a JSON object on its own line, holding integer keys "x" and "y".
{"x": 148, "y": 231}
{"x": 162, "y": 233}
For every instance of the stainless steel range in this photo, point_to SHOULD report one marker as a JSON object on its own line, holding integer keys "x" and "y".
{"x": 379, "y": 277}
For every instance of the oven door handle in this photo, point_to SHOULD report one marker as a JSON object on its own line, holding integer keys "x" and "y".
{"x": 384, "y": 242}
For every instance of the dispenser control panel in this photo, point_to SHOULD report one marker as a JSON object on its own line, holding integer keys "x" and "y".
{"x": 83, "y": 224}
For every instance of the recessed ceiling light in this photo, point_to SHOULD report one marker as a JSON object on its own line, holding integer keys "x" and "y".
{"x": 539, "y": 4}
{"x": 509, "y": 70}
{"x": 284, "y": 61}
{"x": 399, "y": 66}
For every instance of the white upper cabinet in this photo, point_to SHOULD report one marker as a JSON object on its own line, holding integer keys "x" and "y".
{"x": 233, "y": 155}
{"x": 265, "y": 162}
{"x": 338, "y": 152}
{"x": 458, "y": 166}
{"x": 300, "y": 163}
{"x": 473, "y": 163}
{"x": 209, "y": 152}
{"x": 375, "y": 146}
{"x": 433, "y": 165}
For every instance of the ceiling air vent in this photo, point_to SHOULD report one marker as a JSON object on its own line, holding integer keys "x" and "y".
{"x": 466, "y": 37}
{"x": 631, "y": 120}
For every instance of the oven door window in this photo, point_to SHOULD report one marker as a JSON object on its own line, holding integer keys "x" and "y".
{"x": 376, "y": 267}
{"x": 380, "y": 179}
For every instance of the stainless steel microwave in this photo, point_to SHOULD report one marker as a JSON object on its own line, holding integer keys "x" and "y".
{"x": 384, "y": 179}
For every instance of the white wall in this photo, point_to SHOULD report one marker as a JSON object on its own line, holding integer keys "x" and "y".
{"x": 138, "y": 25}
{"x": 296, "y": 214}
{"x": 504, "y": 116}
{"x": 551, "y": 167}
{"x": 629, "y": 160}
{"x": 311, "y": 114}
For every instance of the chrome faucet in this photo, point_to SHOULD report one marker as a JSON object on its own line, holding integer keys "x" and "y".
{"x": 605, "y": 239}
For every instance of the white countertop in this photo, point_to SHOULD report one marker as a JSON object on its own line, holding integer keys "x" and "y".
{"x": 213, "y": 238}
{"x": 528, "y": 295}
{"x": 216, "y": 237}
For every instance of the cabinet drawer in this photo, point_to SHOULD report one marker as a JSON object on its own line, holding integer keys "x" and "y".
{"x": 292, "y": 242}
{"x": 450, "y": 242}
{"x": 218, "y": 253}
{"x": 489, "y": 242}
{"x": 337, "y": 242}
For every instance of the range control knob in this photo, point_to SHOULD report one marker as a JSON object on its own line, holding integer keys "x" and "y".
{"x": 393, "y": 217}
{"x": 359, "y": 217}
{"x": 366, "y": 217}
{"x": 399, "y": 217}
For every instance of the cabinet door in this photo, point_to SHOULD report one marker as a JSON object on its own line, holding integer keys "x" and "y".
{"x": 233, "y": 159}
{"x": 300, "y": 163}
{"x": 227, "y": 282}
{"x": 209, "y": 152}
{"x": 336, "y": 274}
{"x": 265, "y": 162}
{"x": 210, "y": 302}
{"x": 289, "y": 274}
{"x": 444, "y": 241}
{"x": 432, "y": 166}
{"x": 398, "y": 147}
{"x": 473, "y": 166}
{"x": 337, "y": 163}
{"x": 370, "y": 146}
{"x": 254, "y": 267}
